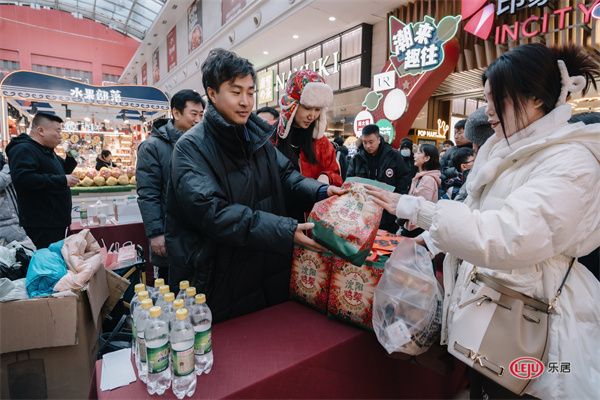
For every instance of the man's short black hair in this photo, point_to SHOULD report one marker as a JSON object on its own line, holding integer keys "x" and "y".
{"x": 45, "y": 116}
{"x": 106, "y": 153}
{"x": 370, "y": 130}
{"x": 269, "y": 110}
{"x": 224, "y": 66}
{"x": 461, "y": 156}
{"x": 450, "y": 142}
{"x": 460, "y": 124}
{"x": 179, "y": 99}
{"x": 338, "y": 140}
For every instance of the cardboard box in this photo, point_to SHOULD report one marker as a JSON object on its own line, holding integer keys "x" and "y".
{"x": 48, "y": 345}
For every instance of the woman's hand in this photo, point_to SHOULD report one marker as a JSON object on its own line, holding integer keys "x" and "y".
{"x": 383, "y": 198}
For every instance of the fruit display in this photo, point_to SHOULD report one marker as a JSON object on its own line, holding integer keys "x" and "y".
{"x": 89, "y": 177}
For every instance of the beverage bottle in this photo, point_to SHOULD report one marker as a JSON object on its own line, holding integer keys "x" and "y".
{"x": 183, "y": 285}
{"x": 83, "y": 215}
{"x": 202, "y": 321}
{"x": 158, "y": 282}
{"x": 140, "y": 287}
{"x": 177, "y": 304}
{"x": 160, "y": 301}
{"x": 190, "y": 294}
{"x": 167, "y": 308}
{"x": 136, "y": 301}
{"x": 182, "y": 355}
{"x": 115, "y": 210}
{"x": 141, "y": 317}
{"x": 157, "y": 353}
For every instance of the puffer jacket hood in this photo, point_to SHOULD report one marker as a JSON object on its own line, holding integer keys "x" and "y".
{"x": 165, "y": 130}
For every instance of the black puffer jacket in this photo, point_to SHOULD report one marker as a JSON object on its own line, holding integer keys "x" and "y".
{"x": 391, "y": 170}
{"x": 226, "y": 230}
{"x": 152, "y": 175}
{"x": 38, "y": 175}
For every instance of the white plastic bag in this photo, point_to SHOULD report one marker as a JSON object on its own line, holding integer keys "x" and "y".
{"x": 407, "y": 308}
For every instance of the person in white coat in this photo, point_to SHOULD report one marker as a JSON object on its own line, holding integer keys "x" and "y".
{"x": 533, "y": 205}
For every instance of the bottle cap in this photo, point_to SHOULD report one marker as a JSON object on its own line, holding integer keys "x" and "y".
{"x": 169, "y": 297}
{"x": 155, "y": 312}
{"x": 163, "y": 289}
{"x": 146, "y": 304}
{"x": 200, "y": 298}
{"x": 190, "y": 292}
{"x": 143, "y": 295}
{"x": 178, "y": 304}
{"x": 139, "y": 287}
{"x": 184, "y": 285}
{"x": 181, "y": 314}
{"x": 159, "y": 282}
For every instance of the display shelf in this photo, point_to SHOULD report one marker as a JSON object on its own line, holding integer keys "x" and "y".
{"x": 101, "y": 189}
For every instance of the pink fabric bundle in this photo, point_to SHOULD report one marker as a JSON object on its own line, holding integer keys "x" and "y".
{"x": 83, "y": 257}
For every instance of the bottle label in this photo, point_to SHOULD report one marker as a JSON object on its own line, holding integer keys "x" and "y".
{"x": 203, "y": 342}
{"x": 142, "y": 349}
{"x": 83, "y": 214}
{"x": 183, "y": 362}
{"x": 158, "y": 358}
{"x": 133, "y": 331}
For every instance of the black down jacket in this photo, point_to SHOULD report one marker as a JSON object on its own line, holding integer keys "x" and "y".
{"x": 226, "y": 226}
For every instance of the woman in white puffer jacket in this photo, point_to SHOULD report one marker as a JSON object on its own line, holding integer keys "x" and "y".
{"x": 533, "y": 205}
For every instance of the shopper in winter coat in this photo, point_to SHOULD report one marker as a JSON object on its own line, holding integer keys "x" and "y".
{"x": 478, "y": 129}
{"x": 302, "y": 125}
{"x": 447, "y": 169}
{"x": 425, "y": 184}
{"x": 42, "y": 180}
{"x": 104, "y": 160}
{"x": 9, "y": 217}
{"x": 153, "y": 170}
{"x": 377, "y": 160}
{"x": 341, "y": 155}
{"x": 406, "y": 151}
{"x": 227, "y": 230}
{"x": 532, "y": 207}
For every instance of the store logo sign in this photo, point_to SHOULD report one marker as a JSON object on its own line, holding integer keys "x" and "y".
{"x": 417, "y": 48}
{"x": 96, "y": 96}
{"x": 320, "y": 66}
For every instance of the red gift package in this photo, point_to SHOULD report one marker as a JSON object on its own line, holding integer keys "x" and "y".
{"x": 310, "y": 277}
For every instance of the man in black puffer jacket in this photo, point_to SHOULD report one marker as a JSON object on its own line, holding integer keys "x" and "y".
{"x": 153, "y": 170}
{"x": 227, "y": 232}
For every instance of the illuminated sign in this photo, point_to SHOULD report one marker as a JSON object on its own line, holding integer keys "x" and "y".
{"x": 96, "y": 96}
{"x": 264, "y": 79}
{"x": 319, "y": 66}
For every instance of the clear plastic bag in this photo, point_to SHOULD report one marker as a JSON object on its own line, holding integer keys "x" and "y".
{"x": 407, "y": 309}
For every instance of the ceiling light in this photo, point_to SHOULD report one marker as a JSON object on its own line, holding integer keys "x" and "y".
{"x": 266, "y": 53}
{"x": 295, "y": 36}
{"x": 332, "y": 19}
{"x": 86, "y": 119}
{"x": 106, "y": 121}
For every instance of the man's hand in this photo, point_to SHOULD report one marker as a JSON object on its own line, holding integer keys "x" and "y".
{"x": 157, "y": 244}
{"x": 303, "y": 240}
{"x": 336, "y": 191}
{"x": 383, "y": 198}
{"x": 323, "y": 179}
{"x": 72, "y": 180}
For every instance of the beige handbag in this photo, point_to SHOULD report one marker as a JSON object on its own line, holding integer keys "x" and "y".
{"x": 501, "y": 333}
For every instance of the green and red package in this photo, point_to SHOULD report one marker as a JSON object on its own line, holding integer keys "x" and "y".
{"x": 352, "y": 288}
{"x": 347, "y": 224}
{"x": 310, "y": 277}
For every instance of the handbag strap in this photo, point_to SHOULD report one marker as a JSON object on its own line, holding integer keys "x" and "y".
{"x": 560, "y": 288}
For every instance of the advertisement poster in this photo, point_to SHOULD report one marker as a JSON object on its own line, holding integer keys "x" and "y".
{"x": 171, "y": 49}
{"x": 230, "y": 8}
{"x": 155, "y": 67}
{"x": 145, "y": 74}
{"x": 194, "y": 25}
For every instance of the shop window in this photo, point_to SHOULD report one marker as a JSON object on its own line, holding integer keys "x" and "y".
{"x": 470, "y": 106}
{"x": 110, "y": 78}
{"x": 83, "y": 76}
{"x": 298, "y": 61}
{"x": 351, "y": 43}
{"x": 351, "y": 71}
{"x": 331, "y": 47}
{"x": 313, "y": 55}
{"x": 6, "y": 65}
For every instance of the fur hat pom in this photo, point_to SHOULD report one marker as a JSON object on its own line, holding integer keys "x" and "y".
{"x": 317, "y": 94}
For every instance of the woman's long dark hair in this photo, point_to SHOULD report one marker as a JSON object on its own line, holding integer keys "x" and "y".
{"x": 531, "y": 72}
{"x": 434, "y": 157}
{"x": 304, "y": 140}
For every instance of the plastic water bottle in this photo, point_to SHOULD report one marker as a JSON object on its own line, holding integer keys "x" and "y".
{"x": 83, "y": 215}
{"x": 167, "y": 308}
{"x": 141, "y": 318}
{"x": 140, "y": 287}
{"x": 183, "y": 285}
{"x": 160, "y": 301}
{"x": 190, "y": 294}
{"x": 135, "y": 304}
{"x": 177, "y": 304}
{"x": 154, "y": 291}
{"x": 157, "y": 353}
{"x": 202, "y": 321}
{"x": 182, "y": 355}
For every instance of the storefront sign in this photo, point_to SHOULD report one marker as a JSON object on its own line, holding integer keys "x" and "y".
{"x": 384, "y": 81}
{"x": 145, "y": 74}
{"x": 386, "y": 128}
{"x": 155, "y": 67}
{"x": 194, "y": 25}
{"x": 172, "y": 49}
{"x": 266, "y": 94}
{"x": 362, "y": 119}
{"x": 230, "y": 8}
{"x": 96, "y": 96}
{"x": 418, "y": 48}
{"x": 482, "y": 17}
{"x": 319, "y": 66}
{"x": 427, "y": 133}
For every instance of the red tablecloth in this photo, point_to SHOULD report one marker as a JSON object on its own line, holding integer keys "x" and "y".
{"x": 291, "y": 351}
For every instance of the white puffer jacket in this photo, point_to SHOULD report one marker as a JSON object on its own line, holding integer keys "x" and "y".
{"x": 532, "y": 206}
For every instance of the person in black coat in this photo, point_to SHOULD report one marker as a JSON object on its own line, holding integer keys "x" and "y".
{"x": 377, "y": 160}
{"x": 227, "y": 230}
{"x": 104, "y": 160}
{"x": 153, "y": 170}
{"x": 341, "y": 154}
{"x": 42, "y": 180}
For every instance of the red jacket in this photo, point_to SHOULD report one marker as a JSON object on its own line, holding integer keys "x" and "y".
{"x": 326, "y": 162}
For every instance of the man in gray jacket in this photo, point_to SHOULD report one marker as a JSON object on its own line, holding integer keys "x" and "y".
{"x": 9, "y": 218}
{"x": 153, "y": 169}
